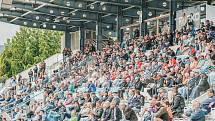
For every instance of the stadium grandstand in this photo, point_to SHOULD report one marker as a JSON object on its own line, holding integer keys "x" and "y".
{"x": 121, "y": 60}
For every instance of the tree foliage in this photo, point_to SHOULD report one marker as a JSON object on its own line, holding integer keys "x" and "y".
{"x": 28, "y": 47}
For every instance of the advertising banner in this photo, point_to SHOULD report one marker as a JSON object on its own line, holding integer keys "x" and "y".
{"x": 210, "y": 13}
{"x": 188, "y": 15}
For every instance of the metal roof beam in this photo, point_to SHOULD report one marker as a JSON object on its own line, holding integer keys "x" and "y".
{"x": 54, "y": 12}
{"x": 81, "y": 6}
{"x": 136, "y": 3}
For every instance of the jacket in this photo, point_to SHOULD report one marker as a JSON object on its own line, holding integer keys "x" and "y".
{"x": 116, "y": 114}
{"x": 198, "y": 115}
{"x": 130, "y": 114}
{"x": 106, "y": 114}
{"x": 178, "y": 104}
{"x": 162, "y": 114}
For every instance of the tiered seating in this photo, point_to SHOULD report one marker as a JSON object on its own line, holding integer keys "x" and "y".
{"x": 112, "y": 78}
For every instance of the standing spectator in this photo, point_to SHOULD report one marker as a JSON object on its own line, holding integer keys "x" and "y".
{"x": 30, "y": 75}
{"x": 35, "y": 69}
{"x": 91, "y": 87}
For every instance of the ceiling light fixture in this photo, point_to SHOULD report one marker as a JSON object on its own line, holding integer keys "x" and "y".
{"x": 34, "y": 24}
{"x": 164, "y": 4}
{"x": 47, "y": 19}
{"x": 102, "y": 3}
{"x": 44, "y": 25}
{"x": 25, "y": 23}
{"x": 150, "y": 13}
{"x": 73, "y": 13}
{"x": 80, "y": 5}
{"x": 92, "y": 6}
{"x": 37, "y": 17}
{"x": 84, "y": 15}
{"x": 62, "y": 12}
{"x": 104, "y": 8}
{"x": 54, "y": 27}
{"x": 68, "y": 4}
{"x": 51, "y": 11}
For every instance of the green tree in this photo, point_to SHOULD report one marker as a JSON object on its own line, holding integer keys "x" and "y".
{"x": 28, "y": 47}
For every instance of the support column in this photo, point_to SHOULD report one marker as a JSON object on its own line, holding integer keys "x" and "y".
{"x": 82, "y": 37}
{"x": 119, "y": 31}
{"x": 67, "y": 40}
{"x": 99, "y": 32}
{"x": 143, "y": 16}
{"x": 173, "y": 6}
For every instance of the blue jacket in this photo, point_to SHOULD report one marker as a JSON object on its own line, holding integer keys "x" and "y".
{"x": 92, "y": 87}
{"x": 198, "y": 115}
{"x": 206, "y": 103}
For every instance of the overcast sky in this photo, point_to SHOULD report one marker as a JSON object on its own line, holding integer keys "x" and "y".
{"x": 7, "y": 31}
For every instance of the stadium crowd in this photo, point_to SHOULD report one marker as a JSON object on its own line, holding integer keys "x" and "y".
{"x": 111, "y": 84}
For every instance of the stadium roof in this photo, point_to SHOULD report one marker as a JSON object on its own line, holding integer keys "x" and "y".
{"x": 69, "y": 15}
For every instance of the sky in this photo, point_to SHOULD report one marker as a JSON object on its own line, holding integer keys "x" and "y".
{"x": 7, "y": 31}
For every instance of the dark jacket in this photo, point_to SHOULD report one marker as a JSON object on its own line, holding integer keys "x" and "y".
{"x": 98, "y": 113}
{"x": 130, "y": 114}
{"x": 178, "y": 104}
{"x": 162, "y": 114}
{"x": 116, "y": 114}
{"x": 106, "y": 114}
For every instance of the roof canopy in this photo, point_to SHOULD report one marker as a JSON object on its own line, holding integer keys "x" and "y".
{"x": 68, "y": 15}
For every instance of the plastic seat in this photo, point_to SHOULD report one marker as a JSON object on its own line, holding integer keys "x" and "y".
{"x": 178, "y": 119}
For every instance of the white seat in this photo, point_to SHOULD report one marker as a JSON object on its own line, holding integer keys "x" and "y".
{"x": 178, "y": 119}
{"x": 213, "y": 111}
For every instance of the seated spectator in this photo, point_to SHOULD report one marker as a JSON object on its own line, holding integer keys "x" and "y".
{"x": 209, "y": 102}
{"x": 128, "y": 113}
{"x": 107, "y": 112}
{"x": 202, "y": 85}
{"x": 197, "y": 114}
{"x": 178, "y": 103}
{"x": 161, "y": 114}
{"x": 115, "y": 113}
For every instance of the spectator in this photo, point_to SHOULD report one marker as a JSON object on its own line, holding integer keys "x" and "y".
{"x": 198, "y": 114}
{"x": 115, "y": 114}
{"x": 128, "y": 113}
{"x": 210, "y": 101}
{"x": 161, "y": 114}
{"x": 30, "y": 75}
{"x": 178, "y": 103}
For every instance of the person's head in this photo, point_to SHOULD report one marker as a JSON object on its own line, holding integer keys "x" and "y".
{"x": 175, "y": 91}
{"x": 122, "y": 105}
{"x": 115, "y": 94}
{"x": 98, "y": 104}
{"x": 196, "y": 104}
{"x": 157, "y": 105}
{"x": 113, "y": 104}
{"x": 161, "y": 92}
{"x": 210, "y": 92}
{"x": 137, "y": 92}
{"x": 73, "y": 113}
{"x": 106, "y": 104}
